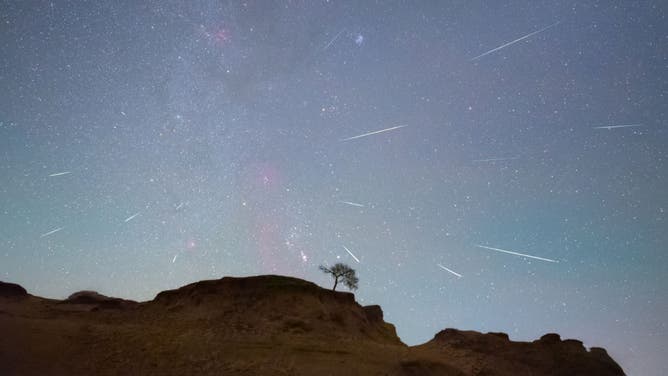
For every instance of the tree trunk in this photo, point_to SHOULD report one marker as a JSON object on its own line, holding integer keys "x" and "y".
{"x": 336, "y": 282}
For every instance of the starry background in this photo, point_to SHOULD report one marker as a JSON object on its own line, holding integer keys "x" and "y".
{"x": 203, "y": 139}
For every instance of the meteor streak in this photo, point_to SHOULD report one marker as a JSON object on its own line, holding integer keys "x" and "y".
{"x": 374, "y": 132}
{"x": 60, "y": 173}
{"x": 515, "y": 253}
{"x": 609, "y": 127}
{"x": 128, "y": 219}
{"x": 333, "y": 40}
{"x": 515, "y": 41}
{"x": 51, "y": 232}
{"x": 352, "y": 203}
{"x": 495, "y": 159}
{"x": 347, "y": 250}
{"x": 449, "y": 271}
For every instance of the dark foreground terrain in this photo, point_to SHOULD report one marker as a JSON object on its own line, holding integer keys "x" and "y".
{"x": 264, "y": 325}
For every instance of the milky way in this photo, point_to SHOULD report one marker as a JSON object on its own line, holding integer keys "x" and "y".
{"x": 146, "y": 145}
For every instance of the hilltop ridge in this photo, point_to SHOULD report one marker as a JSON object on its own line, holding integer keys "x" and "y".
{"x": 260, "y": 325}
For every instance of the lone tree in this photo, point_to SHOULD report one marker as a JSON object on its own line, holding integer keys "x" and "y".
{"x": 342, "y": 272}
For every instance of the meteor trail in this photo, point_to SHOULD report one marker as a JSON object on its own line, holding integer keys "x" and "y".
{"x": 352, "y": 204}
{"x": 515, "y": 253}
{"x": 347, "y": 250}
{"x": 60, "y": 173}
{"x": 449, "y": 271}
{"x": 515, "y": 41}
{"x": 128, "y": 219}
{"x": 51, "y": 232}
{"x": 333, "y": 40}
{"x": 609, "y": 127}
{"x": 374, "y": 132}
{"x": 495, "y": 159}
{"x": 179, "y": 206}
{"x": 174, "y": 259}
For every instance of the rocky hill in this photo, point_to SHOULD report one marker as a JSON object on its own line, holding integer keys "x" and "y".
{"x": 475, "y": 353}
{"x": 98, "y": 301}
{"x": 12, "y": 290}
{"x": 264, "y": 325}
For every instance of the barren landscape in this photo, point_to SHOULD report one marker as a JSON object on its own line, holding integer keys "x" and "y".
{"x": 263, "y": 325}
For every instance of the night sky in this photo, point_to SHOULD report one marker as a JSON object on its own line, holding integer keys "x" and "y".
{"x": 147, "y": 146}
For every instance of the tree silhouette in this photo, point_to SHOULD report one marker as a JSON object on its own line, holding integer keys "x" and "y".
{"x": 344, "y": 273}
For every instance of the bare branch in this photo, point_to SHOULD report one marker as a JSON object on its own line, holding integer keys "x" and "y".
{"x": 344, "y": 272}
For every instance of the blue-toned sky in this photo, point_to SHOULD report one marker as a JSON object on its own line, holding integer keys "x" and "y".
{"x": 168, "y": 142}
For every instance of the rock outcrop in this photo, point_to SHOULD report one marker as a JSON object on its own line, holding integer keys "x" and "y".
{"x": 272, "y": 305}
{"x": 495, "y": 354}
{"x": 12, "y": 290}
